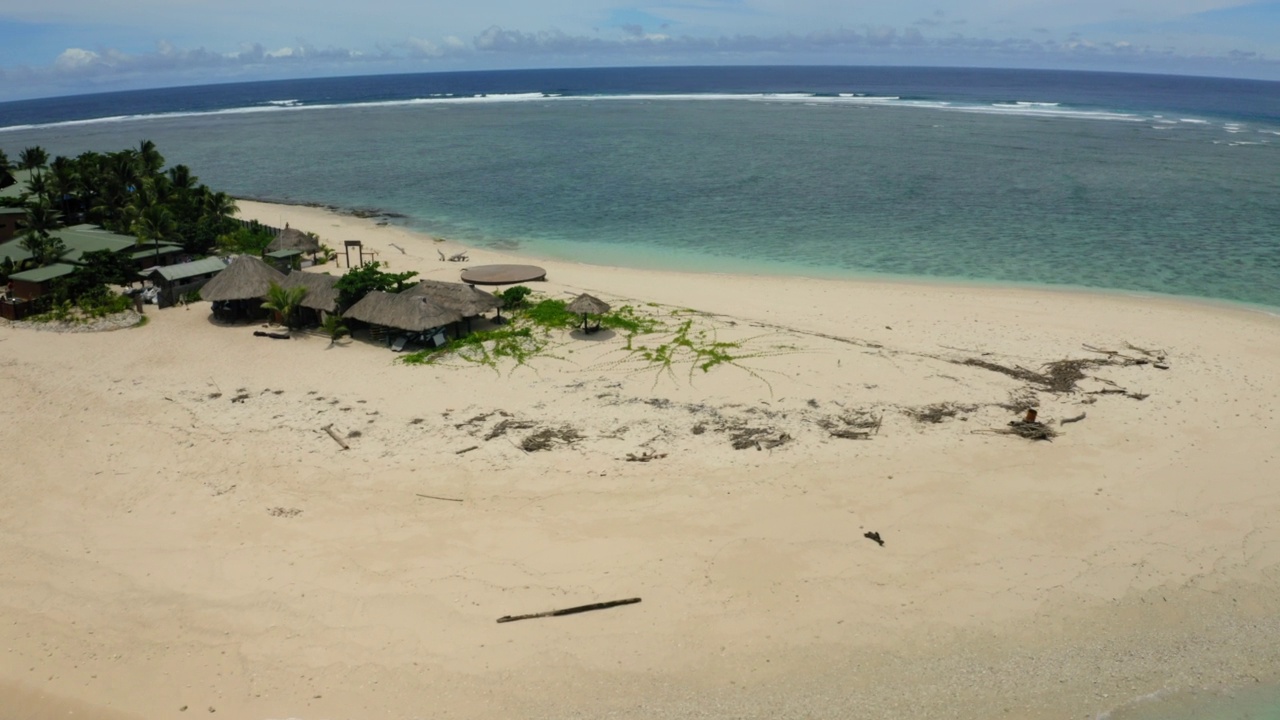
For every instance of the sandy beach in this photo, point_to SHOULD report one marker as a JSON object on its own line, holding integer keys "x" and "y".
{"x": 179, "y": 534}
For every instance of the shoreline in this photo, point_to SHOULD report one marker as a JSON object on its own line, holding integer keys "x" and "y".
{"x": 199, "y": 541}
{"x": 397, "y": 220}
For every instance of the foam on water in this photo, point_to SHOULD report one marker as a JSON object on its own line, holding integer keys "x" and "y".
{"x": 1022, "y": 108}
{"x": 1259, "y": 702}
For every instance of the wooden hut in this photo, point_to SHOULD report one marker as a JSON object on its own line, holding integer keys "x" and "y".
{"x": 238, "y": 290}
{"x": 466, "y": 300}
{"x": 175, "y": 281}
{"x": 411, "y": 313}
{"x": 321, "y": 298}
{"x": 11, "y": 221}
{"x": 36, "y": 283}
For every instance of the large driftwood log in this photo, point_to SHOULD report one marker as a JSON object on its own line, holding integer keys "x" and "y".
{"x": 569, "y": 611}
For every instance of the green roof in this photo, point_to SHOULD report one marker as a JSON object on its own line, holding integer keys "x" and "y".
{"x": 195, "y": 268}
{"x": 80, "y": 241}
{"x": 14, "y": 251}
{"x": 158, "y": 249}
{"x": 48, "y": 272}
{"x": 13, "y": 211}
{"x": 19, "y": 187}
{"x": 283, "y": 254}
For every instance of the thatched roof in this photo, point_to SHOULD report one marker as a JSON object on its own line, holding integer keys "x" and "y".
{"x": 322, "y": 290}
{"x": 464, "y": 299}
{"x": 294, "y": 239}
{"x": 246, "y": 277}
{"x": 586, "y": 304}
{"x": 406, "y": 312}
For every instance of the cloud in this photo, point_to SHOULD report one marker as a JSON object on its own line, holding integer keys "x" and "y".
{"x": 934, "y": 39}
{"x": 73, "y": 59}
{"x": 939, "y": 19}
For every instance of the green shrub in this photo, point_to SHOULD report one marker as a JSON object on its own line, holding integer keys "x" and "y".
{"x": 245, "y": 240}
{"x": 513, "y": 297}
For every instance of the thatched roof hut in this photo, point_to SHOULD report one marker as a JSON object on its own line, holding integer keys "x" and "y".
{"x": 294, "y": 239}
{"x": 464, "y": 299}
{"x": 405, "y": 312}
{"x": 586, "y": 304}
{"x": 245, "y": 278}
{"x": 322, "y": 290}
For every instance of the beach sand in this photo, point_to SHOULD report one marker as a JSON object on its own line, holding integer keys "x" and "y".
{"x": 178, "y": 534}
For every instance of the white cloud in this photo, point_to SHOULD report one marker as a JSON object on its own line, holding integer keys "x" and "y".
{"x": 196, "y": 41}
{"x": 73, "y": 59}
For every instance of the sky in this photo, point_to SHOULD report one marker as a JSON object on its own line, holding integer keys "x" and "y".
{"x": 67, "y": 47}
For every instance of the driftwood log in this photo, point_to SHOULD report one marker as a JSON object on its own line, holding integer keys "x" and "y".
{"x": 336, "y": 438}
{"x": 274, "y": 336}
{"x": 437, "y": 497}
{"x": 570, "y": 611}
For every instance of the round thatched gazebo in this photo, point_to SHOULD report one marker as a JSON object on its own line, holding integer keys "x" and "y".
{"x": 294, "y": 239}
{"x": 588, "y": 305}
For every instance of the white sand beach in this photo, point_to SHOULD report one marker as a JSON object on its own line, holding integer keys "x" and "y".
{"x": 179, "y": 535}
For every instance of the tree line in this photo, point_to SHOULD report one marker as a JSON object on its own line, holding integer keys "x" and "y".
{"x": 128, "y": 192}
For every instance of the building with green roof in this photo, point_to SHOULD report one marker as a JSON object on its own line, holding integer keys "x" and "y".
{"x": 11, "y": 221}
{"x": 176, "y": 281}
{"x": 31, "y": 284}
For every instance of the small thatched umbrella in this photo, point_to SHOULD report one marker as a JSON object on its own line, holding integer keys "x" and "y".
{"x": 246, "y": 278}
{"x": 466, "y": 300}
{"x": 294, "y": 239}
{"x": 322, "y": 290}
{"x": 588, "y": 305}
{"x": 404, "y": 312}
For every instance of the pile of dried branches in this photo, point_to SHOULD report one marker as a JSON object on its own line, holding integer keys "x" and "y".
{"x": 546, "y": 438}
{"x": 852, "y": 425}
{"x": 937, "y": 412}
{"x": 758, "y": 438}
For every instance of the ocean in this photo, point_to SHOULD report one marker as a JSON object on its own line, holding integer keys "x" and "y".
{"x": 1154, "y": 184}
{"x": 1129, "y": 183}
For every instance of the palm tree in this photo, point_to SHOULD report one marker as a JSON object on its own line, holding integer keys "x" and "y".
{"x": 220, "y": 205}
{"x": 5, "y": 165}
{"x": 284, "y": 301}
{"x": 181, "y": 178}
{"x": 62, "y": 173}
{"x": 42, "y": 219}
{"x": 154, "y": 225}
{"x": 149, "y": 159}
{"x": 32, "y": 158}
{"x": 38, "y": 185}
{"x": 334, "y": 328}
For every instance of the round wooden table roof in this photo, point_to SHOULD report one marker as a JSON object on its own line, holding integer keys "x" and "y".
{"x": 502, "y": 274}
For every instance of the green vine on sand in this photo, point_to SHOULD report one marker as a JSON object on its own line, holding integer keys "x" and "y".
{"x": 675, "y": 339}
{"x": 698, "y": 347}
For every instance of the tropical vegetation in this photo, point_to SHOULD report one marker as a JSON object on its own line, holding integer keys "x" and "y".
{"x": 284, "y": 301}
{"x": 369, "y": 277}
{"x": 128, "y": 192}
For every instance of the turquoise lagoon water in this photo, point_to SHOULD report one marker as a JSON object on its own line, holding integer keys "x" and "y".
{"x": 801, "y": 183}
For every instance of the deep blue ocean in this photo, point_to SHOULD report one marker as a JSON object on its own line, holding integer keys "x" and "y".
{"x": 1143, "y": 183}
